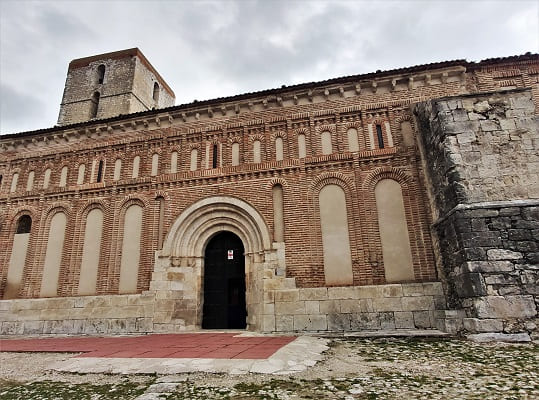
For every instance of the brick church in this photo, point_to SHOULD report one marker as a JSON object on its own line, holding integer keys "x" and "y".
{"x": 401, "y": 199}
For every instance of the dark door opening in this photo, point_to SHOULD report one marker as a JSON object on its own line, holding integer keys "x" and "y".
{"x": 224, "y": 283}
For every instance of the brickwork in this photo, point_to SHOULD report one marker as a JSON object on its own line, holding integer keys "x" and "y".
{"x": 296, "y": 264}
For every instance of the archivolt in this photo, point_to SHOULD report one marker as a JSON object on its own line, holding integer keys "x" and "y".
{"x": 200, "y": 221}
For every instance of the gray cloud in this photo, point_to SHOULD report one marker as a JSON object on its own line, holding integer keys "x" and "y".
{"x": 208, "y": 49}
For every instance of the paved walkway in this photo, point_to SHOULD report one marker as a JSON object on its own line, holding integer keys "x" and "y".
{"x": 194, "y": 345}
{"x": 234, "y": 353}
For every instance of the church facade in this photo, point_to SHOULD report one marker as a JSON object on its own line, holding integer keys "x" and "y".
{"x": 403, "y": 199}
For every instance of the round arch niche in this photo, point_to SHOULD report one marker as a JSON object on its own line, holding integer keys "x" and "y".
{"x": 190, "y": 233}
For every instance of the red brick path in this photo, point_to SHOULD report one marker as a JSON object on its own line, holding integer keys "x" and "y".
{"x": 194, "y": 345}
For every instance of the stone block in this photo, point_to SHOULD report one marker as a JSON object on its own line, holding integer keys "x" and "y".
{"x": 284, "y": 323}
{"x": 56, "y": 327}
{"x": 57, "y": 314}
{"x": 369, "y": 321}
{"x": 287, "y": 295}
{"x": 310, "y": 323}
{"x": 356, "y": 306}
{"x": 313, "y": 294}
{"x": 269, "y": 308}
{"x": 370, "y": 292}
{"x": 499, "y": 337}
{"x": 268, "y": 323}
{"x": 502, "y": 254}
{"x": 338, "y": 322}
{"x": 433, "y": 289}
{"x": 417, "y": 303}
{"x": 387, "y": 321}
{"x": 289, "y": 308}
{"x": 12, "y": 328}
{"x": 33, "y": 328}
{"x": 389, "y": 304}
{"x": 413, "y": 289}
{"x": 144, "y": 325}
{"x": 466, "y": 137}
{"x": 470, "y": 285}
{"x": 312, "y": 307}
{"x": 343, "y": 293}
{"x": 449, "y": 325}
{"x": 404, "y": 320}
{"x": 95, "y": 326}
{"x": 507, "y": 307}
{"x": 482, "y": 325}
{"x": 393, "y": 290}
{"x": 330, "y": 306}
{"x": 118, "y": 301}
{"x": 488, "y": 266}
{"x": 423, "y": 319}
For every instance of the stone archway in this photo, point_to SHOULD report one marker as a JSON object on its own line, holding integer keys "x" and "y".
{"x": 179, "y": 267}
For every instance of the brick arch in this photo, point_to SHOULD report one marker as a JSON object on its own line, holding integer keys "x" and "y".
{"x": 326, "y": 127}
{"x": 133, "y": 199}
{"x": 401, "y": 118}
{"x": 277, "y": 181}
{"x": 354, "y": 124}
{"x": 282, "y": 134}
{"x": 301, "y": 131}
{"x": 257, "y": 136}
{"x": 234, "y": 139}
{"x": 193, "y": 145}
{"x": 327, "y": 178}
{"x": 161, "y": 193}
{"x": 378, "y": 174}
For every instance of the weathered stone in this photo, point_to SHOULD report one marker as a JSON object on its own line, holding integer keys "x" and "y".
{"x": 364, "y": 321}
{"x": 338, "y": 322}
{"x": 502, "y": 254}
{"x": 499, "y": 337}
{"x": 489, "y": 266}
{"x": 387, "y": 321}
{"x": 310, "y": 323}
{"x": 404, "y": 320}
{"x": 505, "y": 307}
{"x": 482, "y": 325}
{"x": 470, "y": 285}
{"x": 389, "y": 303}
{"x": 417, "y": 303}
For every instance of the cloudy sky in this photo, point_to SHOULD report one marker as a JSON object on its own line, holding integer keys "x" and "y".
{"x": 208, "y": 49}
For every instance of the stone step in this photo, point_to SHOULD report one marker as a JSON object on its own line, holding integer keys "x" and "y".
{"x": 387, "y": 333}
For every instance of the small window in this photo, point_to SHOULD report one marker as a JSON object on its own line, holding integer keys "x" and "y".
{"x": 24, "y": 225}
{"x": 101, "y": 74}
{"x": 63, "y": 177}
{"x": 136, "y": 165}
{"x": 100, "y": 172}
{"x": 94, "y": 105}
{"x": 14, "y": 182}
{"x": 214, "y": 160}
{"x": 0, "y": 180}
{"x": 155, "y": 92}
{"x": 380, "y": 136}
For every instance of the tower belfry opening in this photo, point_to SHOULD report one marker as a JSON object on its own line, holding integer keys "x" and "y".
{"x": 132, "y": 85}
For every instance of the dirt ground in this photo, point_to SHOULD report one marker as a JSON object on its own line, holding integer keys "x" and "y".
{"x": 351, "y": 369}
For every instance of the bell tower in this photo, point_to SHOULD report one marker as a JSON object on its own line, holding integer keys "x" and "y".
{"x": 107, "y": 85}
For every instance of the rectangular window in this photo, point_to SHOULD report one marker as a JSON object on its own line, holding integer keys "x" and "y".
{"x": 380, "y": 136}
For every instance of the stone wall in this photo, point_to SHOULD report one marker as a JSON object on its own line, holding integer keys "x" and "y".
{"x": 78, "y": 315}
{"x": 354, "y": 308}
{"x": 482, "y": 158}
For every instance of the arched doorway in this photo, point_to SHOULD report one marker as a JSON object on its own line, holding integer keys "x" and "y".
{"x": 224, "y": 283}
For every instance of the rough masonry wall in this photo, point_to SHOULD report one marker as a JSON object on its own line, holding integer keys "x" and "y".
{"x": 482, "y": 154}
